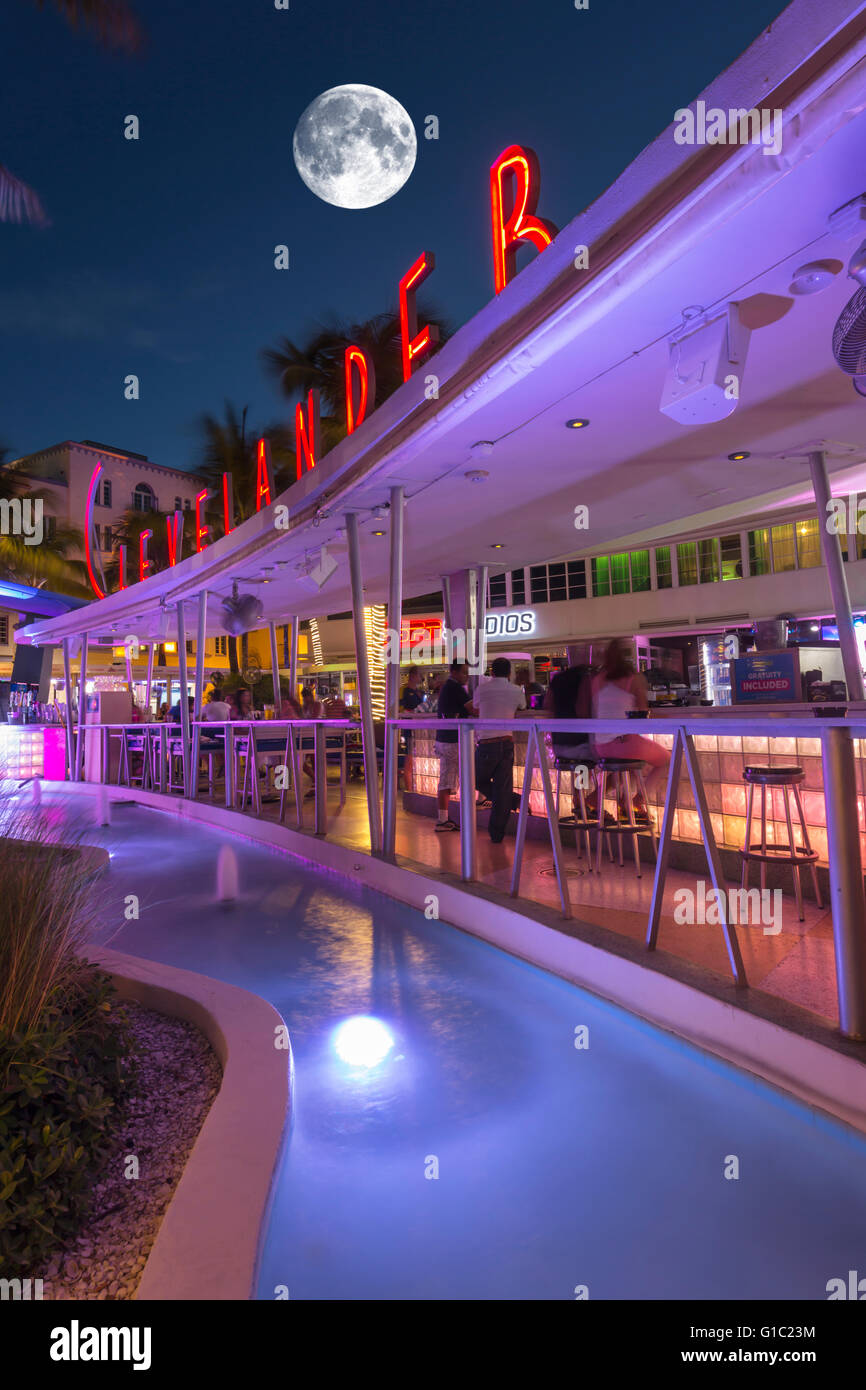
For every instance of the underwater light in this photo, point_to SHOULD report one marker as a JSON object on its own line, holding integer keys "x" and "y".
{"x": 362, "y": 1041}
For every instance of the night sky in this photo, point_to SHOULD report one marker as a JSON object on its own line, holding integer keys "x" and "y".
{"x": 159, "y": 257}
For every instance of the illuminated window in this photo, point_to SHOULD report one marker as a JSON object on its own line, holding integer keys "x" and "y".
{"x": 708, "y": 560}
{"x": 808, "y": 544}
{"x": 600, "y": 576}
{"x": 640, "y": 571}
{"x": 732, "y": 557}
{"x": 759, "y": 551}
{"x": 619, "y": 580}
{"x": 687, "y": 563}
{"x": 4, "y": 630}
{"x": 664, "y": 577}
{"x": 783, "y": 548}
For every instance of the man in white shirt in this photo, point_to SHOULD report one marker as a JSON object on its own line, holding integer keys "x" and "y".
{"x": 497, "y": 698}
{"x": 216, "y": 710}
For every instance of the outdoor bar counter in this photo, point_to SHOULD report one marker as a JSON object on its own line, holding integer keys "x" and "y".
{"x": 722, "y": 758}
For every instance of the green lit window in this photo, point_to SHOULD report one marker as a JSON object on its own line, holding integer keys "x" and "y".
{"x": 687, "y": 563}
{"x": 759, "y": 551}
{"x": 640, "y": 572}
{"x": 808, "y": 544}
{"x": 783, "y": 548}
{"x": 708, "y": 560}
{"x": 732, "y": 559}
{"x": 600, "y": 576}
{"x": 619, "y": 580}
{"x": 664, "y": 578}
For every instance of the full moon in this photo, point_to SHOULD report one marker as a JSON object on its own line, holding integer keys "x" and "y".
{"x": 355, "y": 146}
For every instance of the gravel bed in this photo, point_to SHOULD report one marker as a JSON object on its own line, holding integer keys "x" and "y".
{"x": 178, "y": 1076}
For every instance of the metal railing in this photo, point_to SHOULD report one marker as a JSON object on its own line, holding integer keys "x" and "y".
{"x": 298, "y": 737}
{"x": 836, "y": 737}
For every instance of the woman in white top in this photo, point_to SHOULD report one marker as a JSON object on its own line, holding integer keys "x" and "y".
{"x": 617, "y": 690}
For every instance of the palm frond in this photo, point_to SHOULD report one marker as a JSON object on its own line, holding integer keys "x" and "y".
{"x": 112, "y": 21}
{"x": 19, "y": 202}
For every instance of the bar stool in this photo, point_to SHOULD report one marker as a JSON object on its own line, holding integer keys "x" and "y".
{"x": 176, "y": 759}
{"x": 133, "y": 742}
{"x": 789, "y": 779}
{"x": 622, "y": 770}
{"x": 583, "y": 823}
{"x": 245, "y": 747}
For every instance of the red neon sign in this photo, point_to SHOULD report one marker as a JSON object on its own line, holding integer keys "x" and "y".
{"x": 513, "y": 213}
{"x": 264, "y": 475}
{"x": 88, "y": 530}
{"x": 174, "y": 527}
{"x": 121, "y": 567}
{"x": 415, "y": 344}
{"x": 201, "y": 530}
{"x": 358, "y": 367}
{"x": 308, "y": 434}
{"x": 514, "y": 191}
{"x": 143, "y": 561}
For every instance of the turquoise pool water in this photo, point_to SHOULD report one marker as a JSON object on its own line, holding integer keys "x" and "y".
{"x": 484, "y": 1156}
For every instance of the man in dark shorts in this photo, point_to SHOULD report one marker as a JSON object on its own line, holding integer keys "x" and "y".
{"x": 455, "y": 702}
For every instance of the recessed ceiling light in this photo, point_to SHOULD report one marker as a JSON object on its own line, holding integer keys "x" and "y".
{"x": 737, "y": 458}
{"x": 377, "y": 533}
{"x": 477, "y": 475}
{"x": 497, "y": 545}
{"x": 482, "y": 447}
{"x": 576, "y": 424}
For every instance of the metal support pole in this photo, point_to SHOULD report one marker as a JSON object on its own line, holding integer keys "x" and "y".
{"x": 468, "y": 837}
{"x": 714, "y": 860}
{"x": 70, "y": 732}
{"x": 368, "y": 737}
{"x": 392, "y": 701}
{"x": 275, "y": 668}
{"x": 665, "y": 838}
{"x": 230, "y": 766}
{"x": 480, "y": 620}
{"x": 82, "y": 701}
{"x": 847, "y": 902}
{"x": 320, "y": 769}
{"x": 149, "y": 681}
{"x": 184, "y": 699}
{"x": 447, "y": 615}
{"x": 293, "y": 660}
{"x": 832, "y": 552}
{"x": 200, "y": 639}
{"x": 553, "y": 821}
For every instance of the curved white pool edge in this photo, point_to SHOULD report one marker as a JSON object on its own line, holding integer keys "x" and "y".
{"x": 209, "y": 1243}
{"x": 820, "y": 1076}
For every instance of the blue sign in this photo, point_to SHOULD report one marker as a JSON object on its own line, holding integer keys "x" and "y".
{"x": 761, "y": 677}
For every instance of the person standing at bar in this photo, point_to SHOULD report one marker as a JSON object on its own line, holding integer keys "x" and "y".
{"x": 619, "y": 689}
{"x": 454, "y": 702}
{"x": 497, "y": 698}
{"x": 411, "y": 699}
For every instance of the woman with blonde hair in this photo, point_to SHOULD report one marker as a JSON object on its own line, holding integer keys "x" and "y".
{"x": 617, "y": 690}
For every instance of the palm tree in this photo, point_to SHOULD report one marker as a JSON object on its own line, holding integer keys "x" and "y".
{"x": 229, "y": 446}
{"x": 115, "y": 26}
{"x": 318, "y": 363}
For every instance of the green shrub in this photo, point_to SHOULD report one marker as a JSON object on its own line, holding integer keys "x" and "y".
{"x": 60, "y": 1083}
